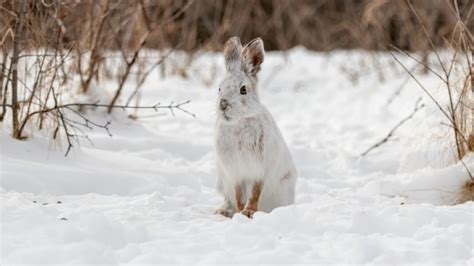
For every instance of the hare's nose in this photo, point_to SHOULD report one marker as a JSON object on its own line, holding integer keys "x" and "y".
{"x": 223, "y": 105}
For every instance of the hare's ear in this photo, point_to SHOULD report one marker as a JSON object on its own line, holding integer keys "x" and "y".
{"x": 232, "y": 54}
{"x": 252, "y": 56}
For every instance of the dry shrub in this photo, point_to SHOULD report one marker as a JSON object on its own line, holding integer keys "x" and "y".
{"x": 455, "y": 71}
{"x": 467, "y": 192}
{"x": 43, "y": 51}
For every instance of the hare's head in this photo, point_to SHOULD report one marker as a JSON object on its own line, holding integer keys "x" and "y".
{"x": 238, "y": 96}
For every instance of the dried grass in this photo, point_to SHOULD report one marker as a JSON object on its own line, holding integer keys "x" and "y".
{"x": 466, "y": 193}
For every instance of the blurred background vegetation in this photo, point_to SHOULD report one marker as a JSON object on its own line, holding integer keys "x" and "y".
{"x": 189, "y": 25}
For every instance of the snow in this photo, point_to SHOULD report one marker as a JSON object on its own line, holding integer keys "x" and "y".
{"x": 147, "y": 194}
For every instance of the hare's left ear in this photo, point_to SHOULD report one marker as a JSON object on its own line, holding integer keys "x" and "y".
{"x": 252, "y": 56}
{"x": 233, "y": 54}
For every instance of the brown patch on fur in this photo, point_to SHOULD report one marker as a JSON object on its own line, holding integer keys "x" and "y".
{"x": 238, "y": 198}
{"x": 256, "y": 59}
{"x": 285, "y": 177}
{"x": 467, "y": 192}
{"x": 252, "y": 203}
{"x": 260, "y": 145}
{"x": 254, "y": 54}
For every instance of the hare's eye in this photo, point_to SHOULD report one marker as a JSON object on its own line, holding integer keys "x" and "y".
{"x": 219, "y": 88}
{"x": 243, "y": 90}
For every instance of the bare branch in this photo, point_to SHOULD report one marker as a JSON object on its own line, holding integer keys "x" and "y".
{"x": 399, "y": 124}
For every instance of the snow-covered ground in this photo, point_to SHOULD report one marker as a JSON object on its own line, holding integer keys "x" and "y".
{"x": 147, "y": 194}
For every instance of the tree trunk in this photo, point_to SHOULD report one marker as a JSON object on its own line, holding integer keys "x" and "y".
{"x": 471, "y": 73}
{"x": 2, "y": 78}
{"x": 16, "y": 41}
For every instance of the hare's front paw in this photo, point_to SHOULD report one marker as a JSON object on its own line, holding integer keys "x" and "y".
{"x": 248, "y": 212}
{"x": 224, "y": 212}
{"x": 226, "y": 209}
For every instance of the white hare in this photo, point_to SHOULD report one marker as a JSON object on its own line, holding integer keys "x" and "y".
{"x": 255, "y": 168}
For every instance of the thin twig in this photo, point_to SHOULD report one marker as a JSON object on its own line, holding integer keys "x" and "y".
{"x": 399, "y": 124}
{"x": 418, "y": 61}
{"x": 401, "y": 87}
{"x": 422, "y": 87}
{"x": 97, "y": 105}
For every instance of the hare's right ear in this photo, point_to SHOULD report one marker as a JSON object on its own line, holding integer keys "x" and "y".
{"x": 252, "y": 56}
{"x": 233, "y": 54}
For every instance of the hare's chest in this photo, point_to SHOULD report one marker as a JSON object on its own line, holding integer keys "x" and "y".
{"x": 237, "y": 141}
{"x": 241, "y": 149}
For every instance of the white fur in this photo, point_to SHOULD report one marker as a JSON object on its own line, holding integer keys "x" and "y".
{"x": 248, "y": 143}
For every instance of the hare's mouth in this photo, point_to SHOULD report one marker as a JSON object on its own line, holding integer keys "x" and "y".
{"x": 225, "y": 117}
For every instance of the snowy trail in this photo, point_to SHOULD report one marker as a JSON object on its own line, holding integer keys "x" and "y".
{"x": 147, "y": 194}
